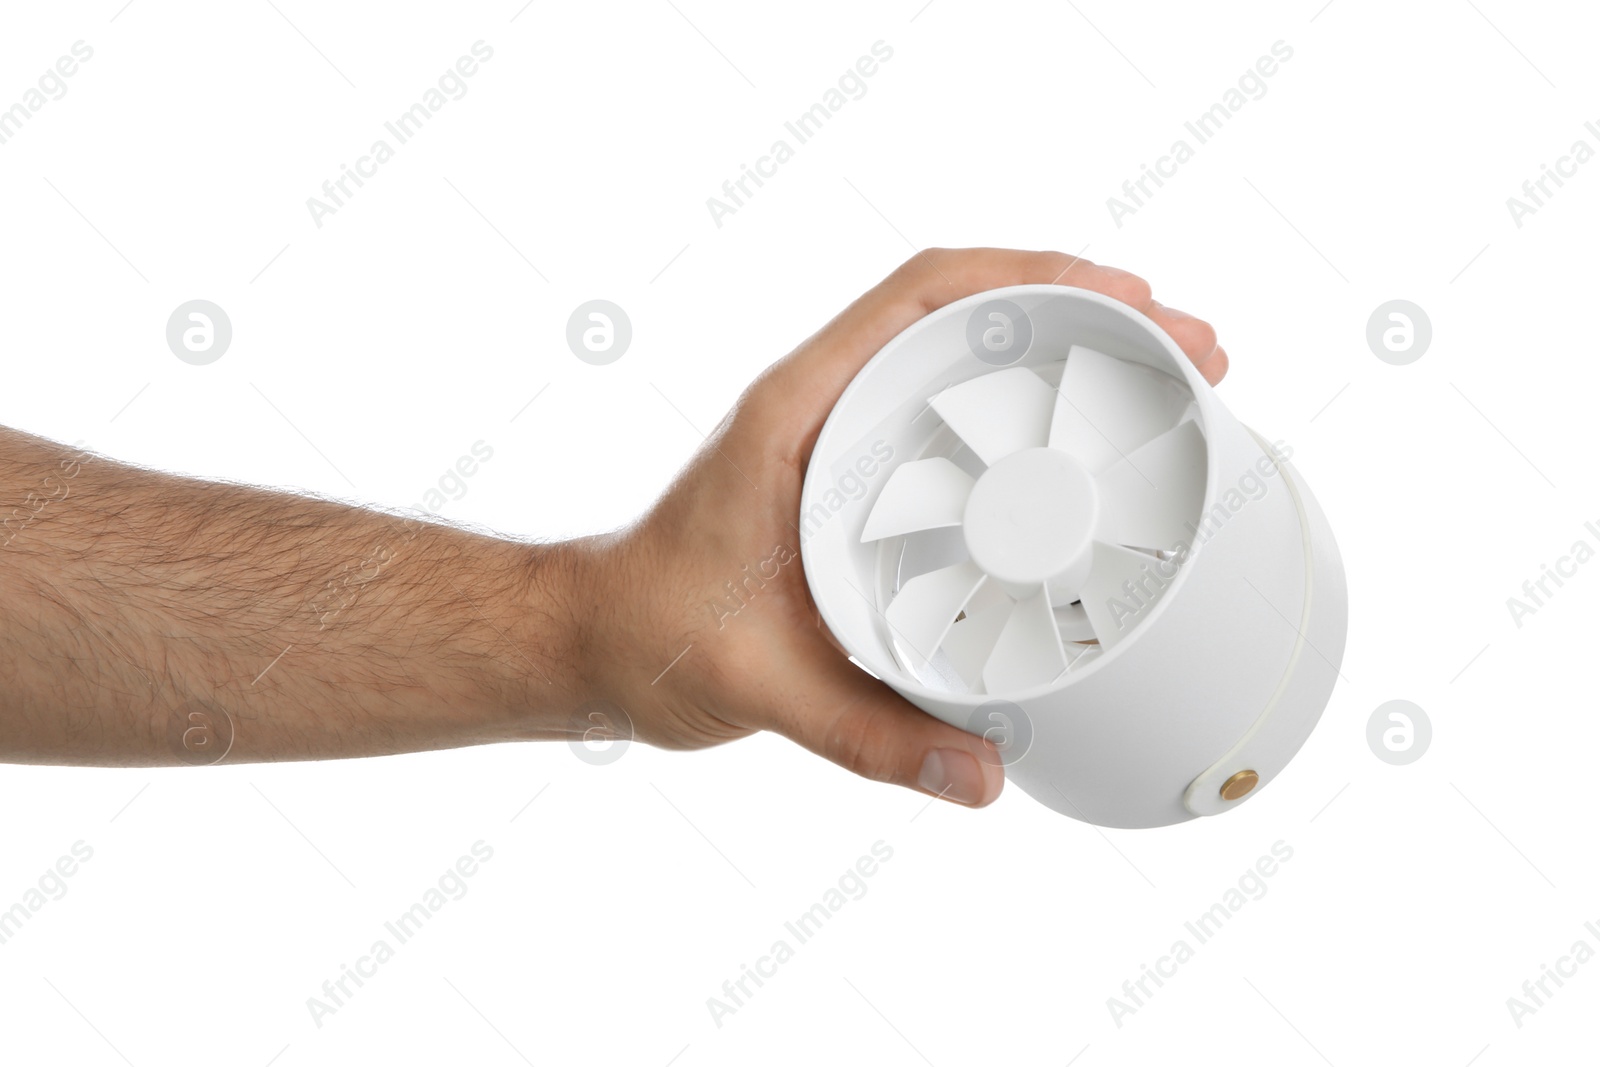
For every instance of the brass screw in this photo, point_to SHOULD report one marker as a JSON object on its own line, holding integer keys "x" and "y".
{"x": 1239, "y": 785}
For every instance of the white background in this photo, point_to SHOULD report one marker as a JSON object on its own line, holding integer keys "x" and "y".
{"x": 422, "y": 317}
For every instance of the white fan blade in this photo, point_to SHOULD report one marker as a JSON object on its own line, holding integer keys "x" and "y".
{"x": 930, "y": 550}
{"x": 1149, "y": 499}
{"x": 1107, "y": 407}
{"x": 971, "y": 639}
{"x": 1028, "y": 651}
{"x": 1122, "y": 588}
{"x": 925, "y": 494}
{"x": 987, "y": 597}
{"x": 921, "y": 615}
{"x": 1073, "y": 623}
{"x": 999, "y": 413}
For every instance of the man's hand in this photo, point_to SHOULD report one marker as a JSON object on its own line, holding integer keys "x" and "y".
{"x": 654, "y": 589}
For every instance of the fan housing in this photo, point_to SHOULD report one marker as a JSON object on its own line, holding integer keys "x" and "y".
{"x": 1032, "y": 517}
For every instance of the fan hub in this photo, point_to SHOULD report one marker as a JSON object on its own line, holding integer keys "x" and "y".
{"x": 1031, "y": 519}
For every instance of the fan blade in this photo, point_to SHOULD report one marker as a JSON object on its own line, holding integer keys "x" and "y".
{"x": 1073, "y": 623}
{"x": 1107, "y": 407}
{"x": 1123, "y": 586}
{"x": 971, "y": 639}
{"x": 930, "y": 550}
{"x": 998, "y": 413}
{"x": 924, "y": 494}
{"x": 921, "y": 615}
{"x": 987, "y": 596}
{"x": 1028, "y": 651}
{"x": 1150, "y": 498}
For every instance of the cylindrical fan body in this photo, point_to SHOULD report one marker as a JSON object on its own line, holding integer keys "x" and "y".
{"x": 1234, "y": 631}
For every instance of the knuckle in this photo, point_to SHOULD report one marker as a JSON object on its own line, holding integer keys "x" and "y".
{"x": 760, "y": 399}
{"x": 922, "y": 262}
{"x": 1205, "y": 336}
{"x": 1067, "y": 263}
{"x": 1217, "y": 367}
{"x": 1140, "y": 293}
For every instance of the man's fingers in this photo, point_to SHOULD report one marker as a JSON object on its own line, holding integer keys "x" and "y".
{"x": 810, "y": 379}
{"x": 850, "y": 718}
{"x": 1214, "y": 366}
{"x": 928, "y": 281}
{"x": 1197, "y": 337}
{"x": 1110, "y": 281}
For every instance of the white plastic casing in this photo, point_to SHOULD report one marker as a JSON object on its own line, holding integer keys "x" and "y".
{"x": 1228, "y": 671}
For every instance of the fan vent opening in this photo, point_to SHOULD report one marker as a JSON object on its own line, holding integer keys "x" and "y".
{"x": 1047, "y": 513}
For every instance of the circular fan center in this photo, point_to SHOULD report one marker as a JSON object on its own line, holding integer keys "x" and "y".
{"x": 1031, "y": 519}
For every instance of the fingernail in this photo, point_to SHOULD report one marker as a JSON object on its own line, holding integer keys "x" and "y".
{"x": 953, "y": 775}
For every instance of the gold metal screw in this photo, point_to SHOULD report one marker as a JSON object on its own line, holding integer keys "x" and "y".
{"x": 1239, "y": 785}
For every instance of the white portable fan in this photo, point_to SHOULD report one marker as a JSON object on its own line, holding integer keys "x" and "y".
{"x": 1031, "y": 517}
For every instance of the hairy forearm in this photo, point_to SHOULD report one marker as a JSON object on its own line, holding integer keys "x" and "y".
{"x": 151, "y": 619}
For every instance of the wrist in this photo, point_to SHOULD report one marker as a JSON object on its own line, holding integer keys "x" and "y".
{"x": 550, "y": 632}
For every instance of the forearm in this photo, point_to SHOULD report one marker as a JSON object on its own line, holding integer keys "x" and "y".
{"x": 129, "y": 599}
